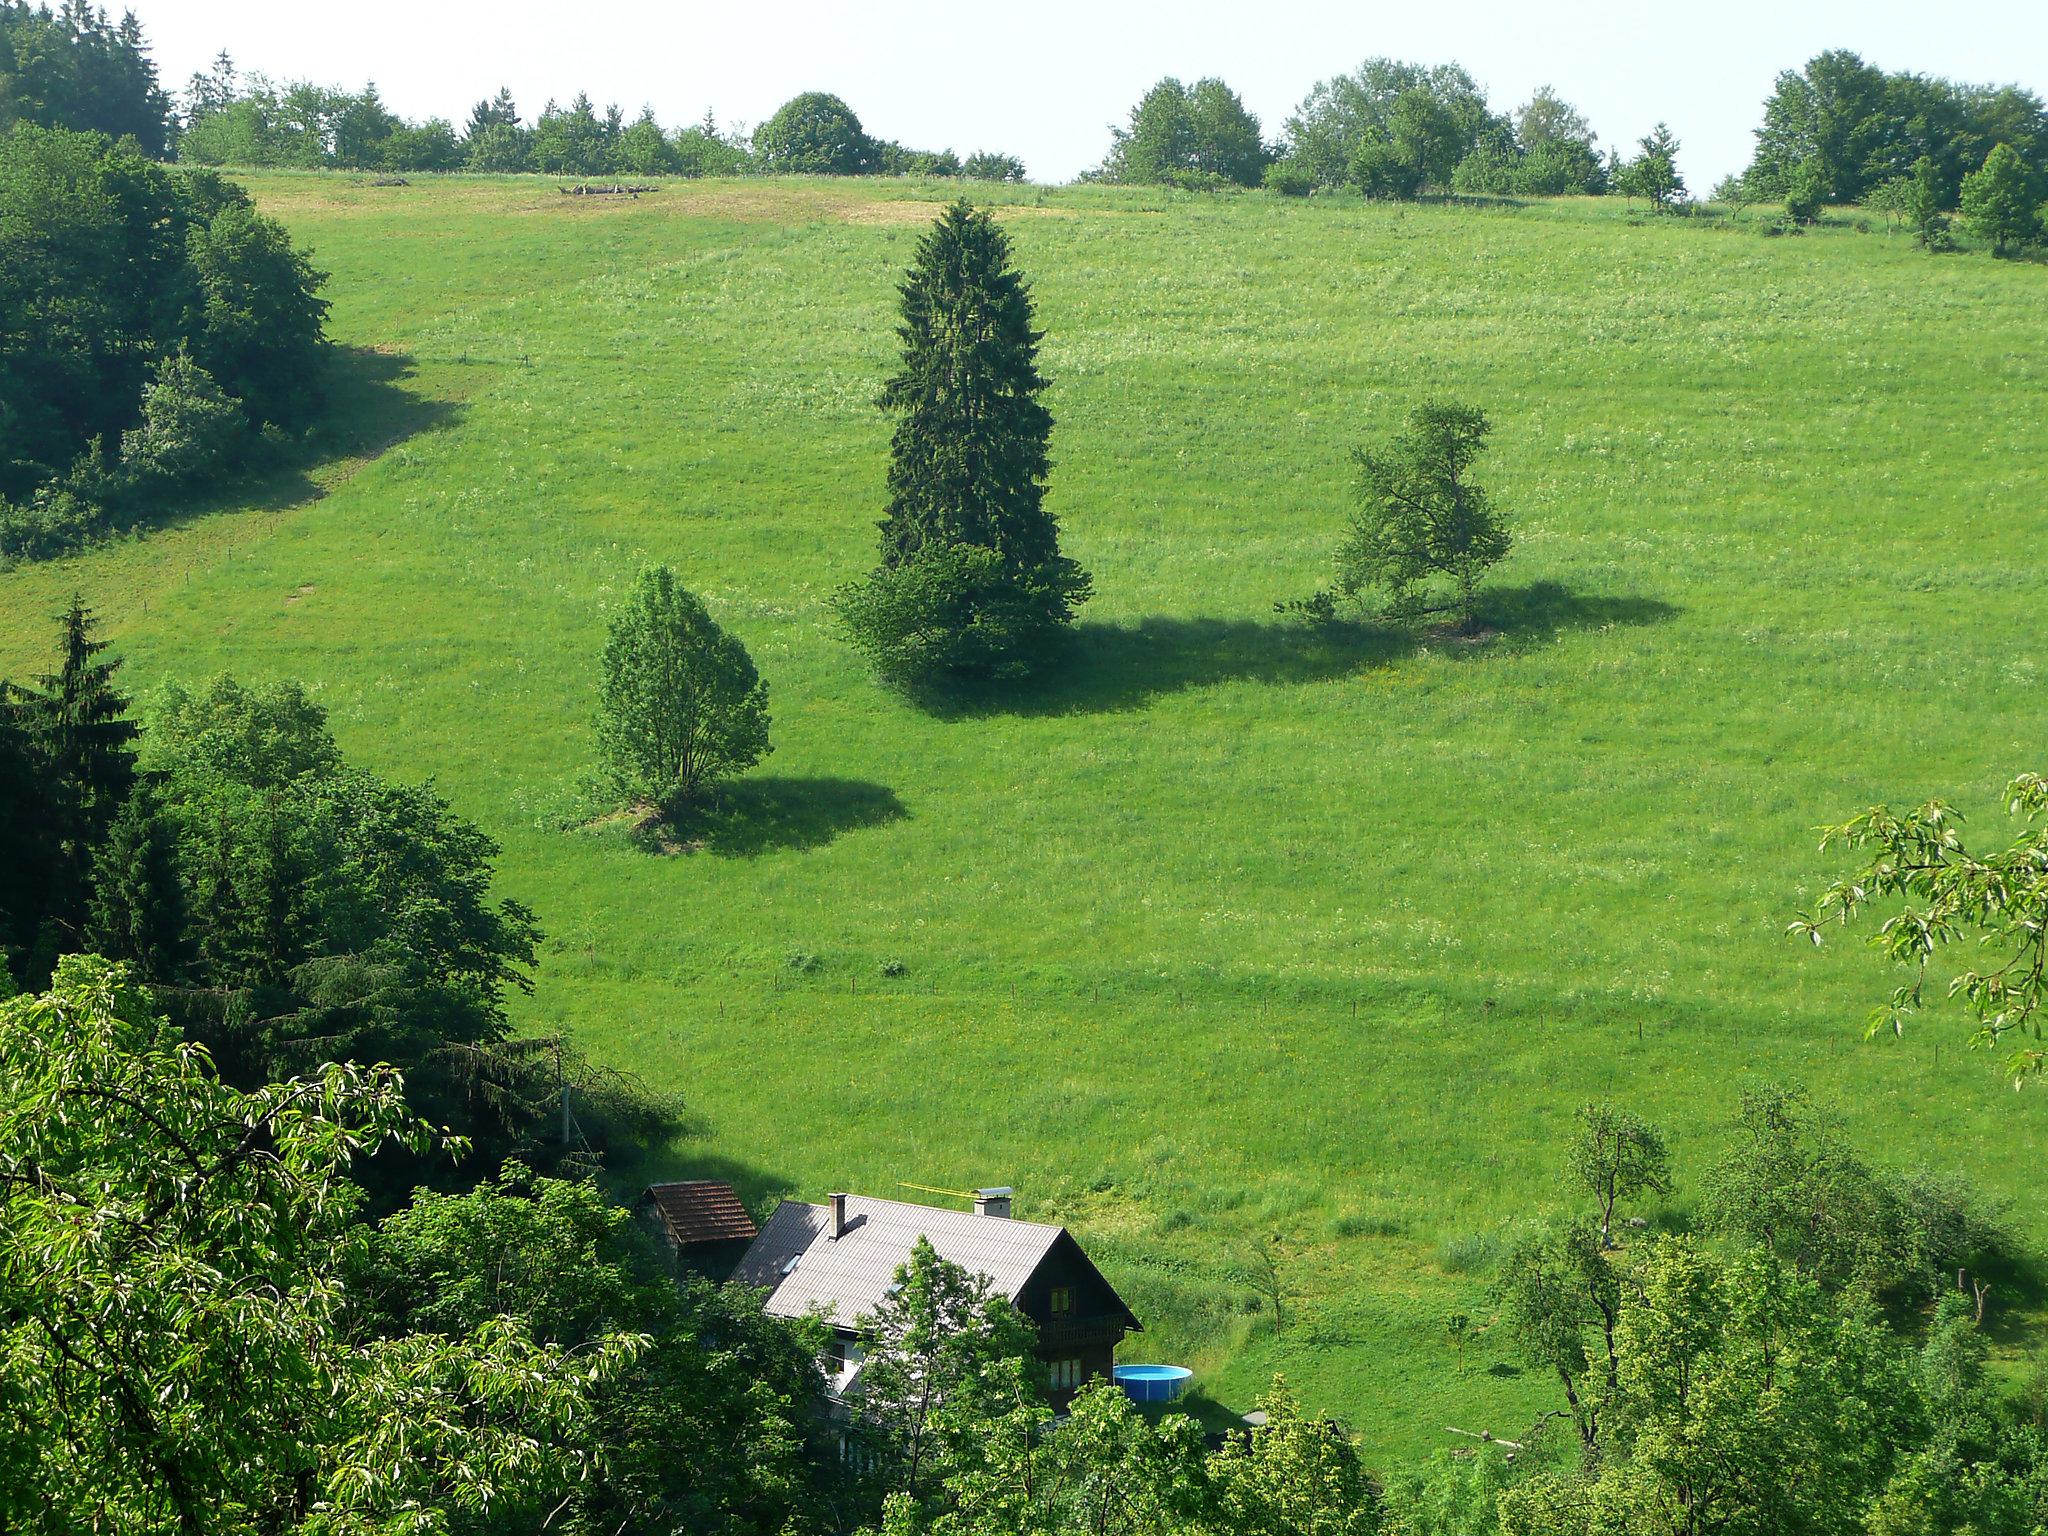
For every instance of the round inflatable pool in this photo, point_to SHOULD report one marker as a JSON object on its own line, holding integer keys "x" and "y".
{"x": 1153, "y": 1383}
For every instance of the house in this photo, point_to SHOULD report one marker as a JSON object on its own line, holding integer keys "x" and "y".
{"x": 702, "y": 1222}
{"x": 840, "y": 1260}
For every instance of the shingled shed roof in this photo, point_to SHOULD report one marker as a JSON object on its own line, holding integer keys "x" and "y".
{"x": 850, "y": 1275}
{"x": 700, "y": 1211}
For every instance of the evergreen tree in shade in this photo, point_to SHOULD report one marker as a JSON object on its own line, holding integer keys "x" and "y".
{"x": 25, "y": 847}
{"x": 138, "y": 904}
{"x": 972, "y": 578}
{"x": 82, "y": 743}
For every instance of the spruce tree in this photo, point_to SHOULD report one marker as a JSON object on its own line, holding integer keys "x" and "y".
{"x": 82, "y": 741}
{"x": 972, "y": 578}
{"x": 138, "y": 905}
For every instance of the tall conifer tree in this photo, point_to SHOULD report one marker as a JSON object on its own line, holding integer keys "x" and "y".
{"x": 82, "y": 742}
{"x": 972, "y": 578}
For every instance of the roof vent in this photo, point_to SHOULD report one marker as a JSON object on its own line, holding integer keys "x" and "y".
{"x": 993, "y": 1202}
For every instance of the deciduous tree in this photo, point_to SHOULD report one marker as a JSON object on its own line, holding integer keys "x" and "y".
{"x": 1424, "y": 535}
{"x": 680, "y": 706}
{"x": 1617, "y": 1156}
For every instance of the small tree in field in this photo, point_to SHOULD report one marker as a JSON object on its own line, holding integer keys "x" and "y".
{"x": 1653, "y": 174}
{"x": 1616, "y": 1156}
{"x": 1998, "y": 201}
{"x": 1421, "y": 525}
{"x": 682, "y": 706}
{"x": 972, "y": 579}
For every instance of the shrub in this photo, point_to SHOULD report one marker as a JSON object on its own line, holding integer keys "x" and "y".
{"x": 1379, "y": 171}
{"x": 1806, "y": 191}
{"x": 950, "y": 608}
{"x": 1289, "y": 178}
{"x": 189, "y": 424}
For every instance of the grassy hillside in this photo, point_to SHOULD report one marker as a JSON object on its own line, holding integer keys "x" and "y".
{"x": 1231, "y": 931}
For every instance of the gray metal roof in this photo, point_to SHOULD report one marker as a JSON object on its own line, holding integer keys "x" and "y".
{"x": 848, "y": 1277}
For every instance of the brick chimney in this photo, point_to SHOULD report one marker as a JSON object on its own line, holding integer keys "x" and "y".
{"x": 992, "y": 1202}
{"x": 838, "y": 1216}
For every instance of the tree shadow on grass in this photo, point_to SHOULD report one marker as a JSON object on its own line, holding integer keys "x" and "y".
{"x": 760, "y": 815}
{"x": 367, "y": 412}
{"x": 1108, "y": 668}
{"x": 1534, "y": 615}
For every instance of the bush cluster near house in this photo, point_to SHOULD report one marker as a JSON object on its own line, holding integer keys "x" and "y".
{"x": 153, "y": 327}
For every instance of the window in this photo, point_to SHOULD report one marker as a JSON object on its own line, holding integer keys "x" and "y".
{"x": 1062, "y": 1301}
{"x": 1066, "y": 1375}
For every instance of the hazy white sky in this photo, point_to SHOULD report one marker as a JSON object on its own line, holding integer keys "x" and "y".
{"x": 1042, "y": 79}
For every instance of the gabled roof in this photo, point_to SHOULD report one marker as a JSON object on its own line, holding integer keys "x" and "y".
{"x": 849, "y": 1276}
{"x": 700, "y": 1211}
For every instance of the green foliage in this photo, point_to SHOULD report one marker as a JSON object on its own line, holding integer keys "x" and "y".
{"x": 171, "y": 1310}
{"x": 715, "y": 1424}
{"x": 1653, "y": 173}
{"x": 815, "y": 134}
{"x": 1792, "y": 1186}
{"x": 1997, "y": 901}
{"x": 73, "y": 68}
{"x": 1420, "y": 522}
{"x": 1850, "y": 127}
{"x": 1293, "y": 1475}
{"x": 1289, "y": 178}
{"x": 987, "y": 165}
{"x": 1806, "y": 191}
{"x": 263, "y": 737}
{"x": 644, "y": 149}
{"x": 574, "y": 141}
{"x": 1428, "y": 119}
{"x": 1741, "y": 1399}
{"x": 74, "y": 729}
{"x": 946, "y": 1356}
{"x": 1199, "y": 135}
{"x": 681, "y": 706}
{"x": 499, "y": 147}
{"x": 1923, "y": 207}
{"x": 1379, "y": 172}
{"x": 972, "y": 578}
{"x": 428, "y": 146}
{"x": 138, "y": 900}
{"x": 125, "y": 289}
{"x": 1617, "y": 1156}
{"x": 189, "y": 425}
{"x": 1555, "y": 1290}
{"x": 2000, "y": 202}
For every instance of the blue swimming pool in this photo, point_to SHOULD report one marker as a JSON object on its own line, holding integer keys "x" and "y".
{"x": 1153, "y": 1383}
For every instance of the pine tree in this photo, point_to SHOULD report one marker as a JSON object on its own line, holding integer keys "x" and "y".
{"x": 25, "y": 848}
{"x": 82, "y": 741}
{"x": 972, "y": 577}
{"x": 138, "y": 905}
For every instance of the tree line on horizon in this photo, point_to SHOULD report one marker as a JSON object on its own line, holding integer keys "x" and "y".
{"x": 1837, "y": 131}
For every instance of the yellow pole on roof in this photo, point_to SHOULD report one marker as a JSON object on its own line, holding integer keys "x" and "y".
{"x": 933, "y": 1189}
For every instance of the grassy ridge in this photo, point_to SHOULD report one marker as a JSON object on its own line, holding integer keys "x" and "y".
{"x": 1231, "y": 929}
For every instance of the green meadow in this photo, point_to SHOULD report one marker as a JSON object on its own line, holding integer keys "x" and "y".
{"x": 1234, "y": 934}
